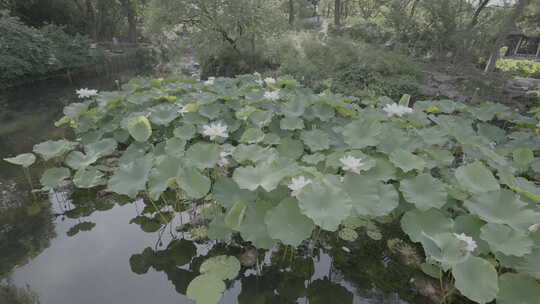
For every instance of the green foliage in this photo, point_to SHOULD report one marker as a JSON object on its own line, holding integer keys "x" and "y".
{"x": 345, "y": 66}
{"x": 463, "y": 201}
{"x": 521, "y": 68}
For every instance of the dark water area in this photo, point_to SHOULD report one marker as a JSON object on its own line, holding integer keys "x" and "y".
{"x": 79, "y": 247}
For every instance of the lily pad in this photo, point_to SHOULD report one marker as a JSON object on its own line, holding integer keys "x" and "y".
{"x": 476, "y": 178}
{"x": 286, "y": 223}
{"x": 222, "y": 267}
{"x": 51, "y": 149}
{"x": 518, "y": 288}
{"x": 131, "y": 178}
{"x": 202, "y": 155}
{"x": 25, "y": 160}
{"x": 139, "y": 128}
{"x": 206, "y": 289}
{"x": 252, "y": 230}
{"x": 193, "y": 182}
{"x": 88, "y": 178}
{"x": 424, "y": 192}
{"x": 416, "y": 224}
{"x": 506, "y": 240}
{"x": 476, "y": 279}
{"x": 370, "y": 197}
{"x": 53, "y": 177}
{"x": 407, "y": 161}
{"x": 362, "y": 133}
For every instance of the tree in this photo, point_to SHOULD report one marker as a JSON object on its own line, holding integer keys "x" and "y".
{"x": 506, "y": 28}
{"x": 337, "y": 12}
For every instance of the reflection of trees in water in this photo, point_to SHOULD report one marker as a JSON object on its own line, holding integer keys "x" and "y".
{"x": 24, "y": 231}
{"x": 10, "y": 294}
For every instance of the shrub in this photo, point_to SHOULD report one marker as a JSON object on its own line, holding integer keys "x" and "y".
{"x": 461, "y": 187}
{"x": 522, "y": 68}
{"x": 345, "y": 66}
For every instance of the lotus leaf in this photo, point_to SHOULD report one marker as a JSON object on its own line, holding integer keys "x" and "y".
{"x": 101, "y": 148}
{"x": 424, "y": 192}
{"x": 185, "y": 132}
{"x": 206, "y": 289}
{"x": 506, "y": 240}
{"x": 139, "y": 128}
{"x": 407, "y": 161}
{"x": 370, "y": 197}
{"x": 362, "y": 133}
{"x": 252, "y": 136}
{"x": 252, "y": 229}
{"x": 51, "y": 149}
{"x": 217, "y": 229}
{"x": 131, "y": 178}
{"x": 445, "y": 248}
{"x": 266, "y": 175}
{"x": 53, "y": 177}
{"x": 476, "y": 279}
{"x": 476, "y": 178}
{"x": 290, "y": 148}
{"x": 292, "y": 123}
{"x": 222, "y": 267}
{"x": 78, "y": 160}
{"x": 162, "y": 176}
{"x": 518, "y": 289}
{"x": 193, "y": 182}
{"x": 87, "y": 178}
{"x": 235, "y": 216}
{"x": 316, "y": 140}
{"x": 226, "y": 192}
{"x": 416, "y": 224}
{"x": 203, "y": 155}
{"x": 25, "y": 160}
{"x": 286, "y": 223}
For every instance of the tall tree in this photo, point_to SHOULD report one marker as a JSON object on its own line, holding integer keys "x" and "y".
{"x": 337, "y": 12}
{"x": 506, "y": 28}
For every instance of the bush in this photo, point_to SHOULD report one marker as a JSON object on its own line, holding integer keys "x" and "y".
{"x": 522, "y": 68}
{"x": 346, "y": 66}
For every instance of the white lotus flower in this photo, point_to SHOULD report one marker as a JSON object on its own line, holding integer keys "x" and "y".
{"x": 471, "y": 244}
{"x": 269, "y": 80}
{"x": 274, "y": 95}
{"x": 183, "y": 110}
{"x": 214, "y": 130}
{"x": 210, "y": 81}
{"x": 534, "y": 228}
{"x": 351, "y": 163}
{"x": 297, "y": 183}
{"x": 86, "y": 93}
{"x": 259, "y": 82}
{"x": 396, "y": 109}
{"x": 223, "y": 161}
{"x": 257, "y": 74}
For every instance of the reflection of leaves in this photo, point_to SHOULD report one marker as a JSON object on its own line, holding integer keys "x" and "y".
{"x": 325, "y": 291}
{"x": 147, "y": 224}
{"x": 84, "y": 226}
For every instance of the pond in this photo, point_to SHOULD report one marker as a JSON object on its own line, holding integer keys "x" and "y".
{"x": 81, "y": 247}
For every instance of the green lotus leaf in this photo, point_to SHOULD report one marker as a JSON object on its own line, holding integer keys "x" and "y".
{"x": 471, "y": 225}
{"x": 221, "y": 266}
{"x": 254, "y": 153}
{"x": 529, "y": 263}
{"x": 325, "y": 204}
{"x": 206, "y": 289}
{"x": 211, "y": 111}
{"x": 476, "y": 279}
{"x": 374, "y": 234}
{"x": 217, "y": 229}
{"x": 252, "y": 230}
{"x": 75, "y": 109}
{"x": 362, "y": 133}
{"x": 101, "y": 148}
{"x": 139, "y": 128}
{"x": 226, "y": 192}
{"x": 431, "y": 270}
{"x": 383, "y": 170}
{"x": 355, "y": 222}
{"x": 78, "y": 160}
{"x": 53, "y": 177}
{"x": 252, "y": 136}
{"x": 261, "y": 118}
{"x": 131, "y": 178}
{"x": 295, "y": 107}
{"x": 506, "y": 240}
{"x": 175, "y": 147}
{"x": 88, "y": 178}
{"x": 162, "y": 176}
{"x": 163, "y": 114}
{"x": 503, "y": 207}
{"x": 518, "y": 289}
{"x": 313, "y": 159}
{"x": 202, "y": 155}
{"x": 526, "y": 188}
{"x": 476, "y": 178}
{"x": 348, "y": 234}
{"x": 236, "y": 215}
{"x": 445, "y": 248}
{"x": 433, "y": 135}
{"x": 25, "y": 160}
{"x": 424, "y": 192}
{"x": 441, "y": 156}
{"x": 323, "y": 111}
{"x": 286, "y": 223}
{"x": 370, "y": 197}
{"x": 393, "y": 139}
{"x": 292, "y": 123}
{"x": 316, "y": 140}
{"x": 290, "y": 148}
{"x": 266, "y": 175}
{"x": 193, "y": 182}
{"x": 271, "y": 139}
{"x": 416, "y": 224}
{"x": 407, "y": 161}
{"x": 185, "y": 132}
{"x": 51, "y": 149}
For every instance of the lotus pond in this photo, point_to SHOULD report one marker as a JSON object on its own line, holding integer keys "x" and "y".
{"x": 247, "y": 190}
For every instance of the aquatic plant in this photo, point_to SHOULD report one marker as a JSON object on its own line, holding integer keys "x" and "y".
{"x": 281, "y": 164}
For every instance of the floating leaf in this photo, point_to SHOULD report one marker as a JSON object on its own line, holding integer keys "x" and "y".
{"x": 326, "y": 205}
{"x": 407, "y": 161}
{"x": 252, "y": 230}
{"x": 370, "y": 197}
{"x": 206, "y": 289}
{"x": 362, "y": 133}
{"x": 221, "y": 266}
{"x": 523, "y": 156}
{"x": 518, "y": 289}
{"x": 266, "y": 175}
{"x": 290, "y": 148}
{"x": 476, "y": 279}
{"x": 163, "y": 114}
{"x": 316, "y": 140}
{"x": 193, "y": 182}
{"x": 51, "y": 149}
{"x": 424, "y": 192}
{"x": 53, "y": 177}
{"x": 202, "y": 155}
{"x": 140, "y": 129}
{"x": 252, "y": 136}
{"x": 185, "y": 132}
{"x": 101, "y": 148}
{"x": 217, "y": 229}
{"x": 476, "y": 178}
{"x": 445, "y": 248}
{"x": 226, "y": 192}
{"x": 348, "y": 234}
{"x": 235, "y": 216}
{"x": 416, "y": 223}
{"x": 162, "y": 176}
{"x": 286, "y": 223}
{"x": 506, "y": 240}
{"x": 25, "y": 160}
{"x": 88, "y": 178}
{"x": 292, "y": 123}
{"x": 78, "y": 160}
{"x": 131, "y": 178}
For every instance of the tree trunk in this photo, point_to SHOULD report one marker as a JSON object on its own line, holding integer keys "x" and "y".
{"x": 91, "y": 22}
{"x": 291, "y": 12}
{"x": 132, "y": 20}
{"x": 503, "y": 34}
{"x": 476, "y": 15}
{"x": 337, "y": 12}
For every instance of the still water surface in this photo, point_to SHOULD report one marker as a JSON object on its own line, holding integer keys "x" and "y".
{"x": 78, "y": 247}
